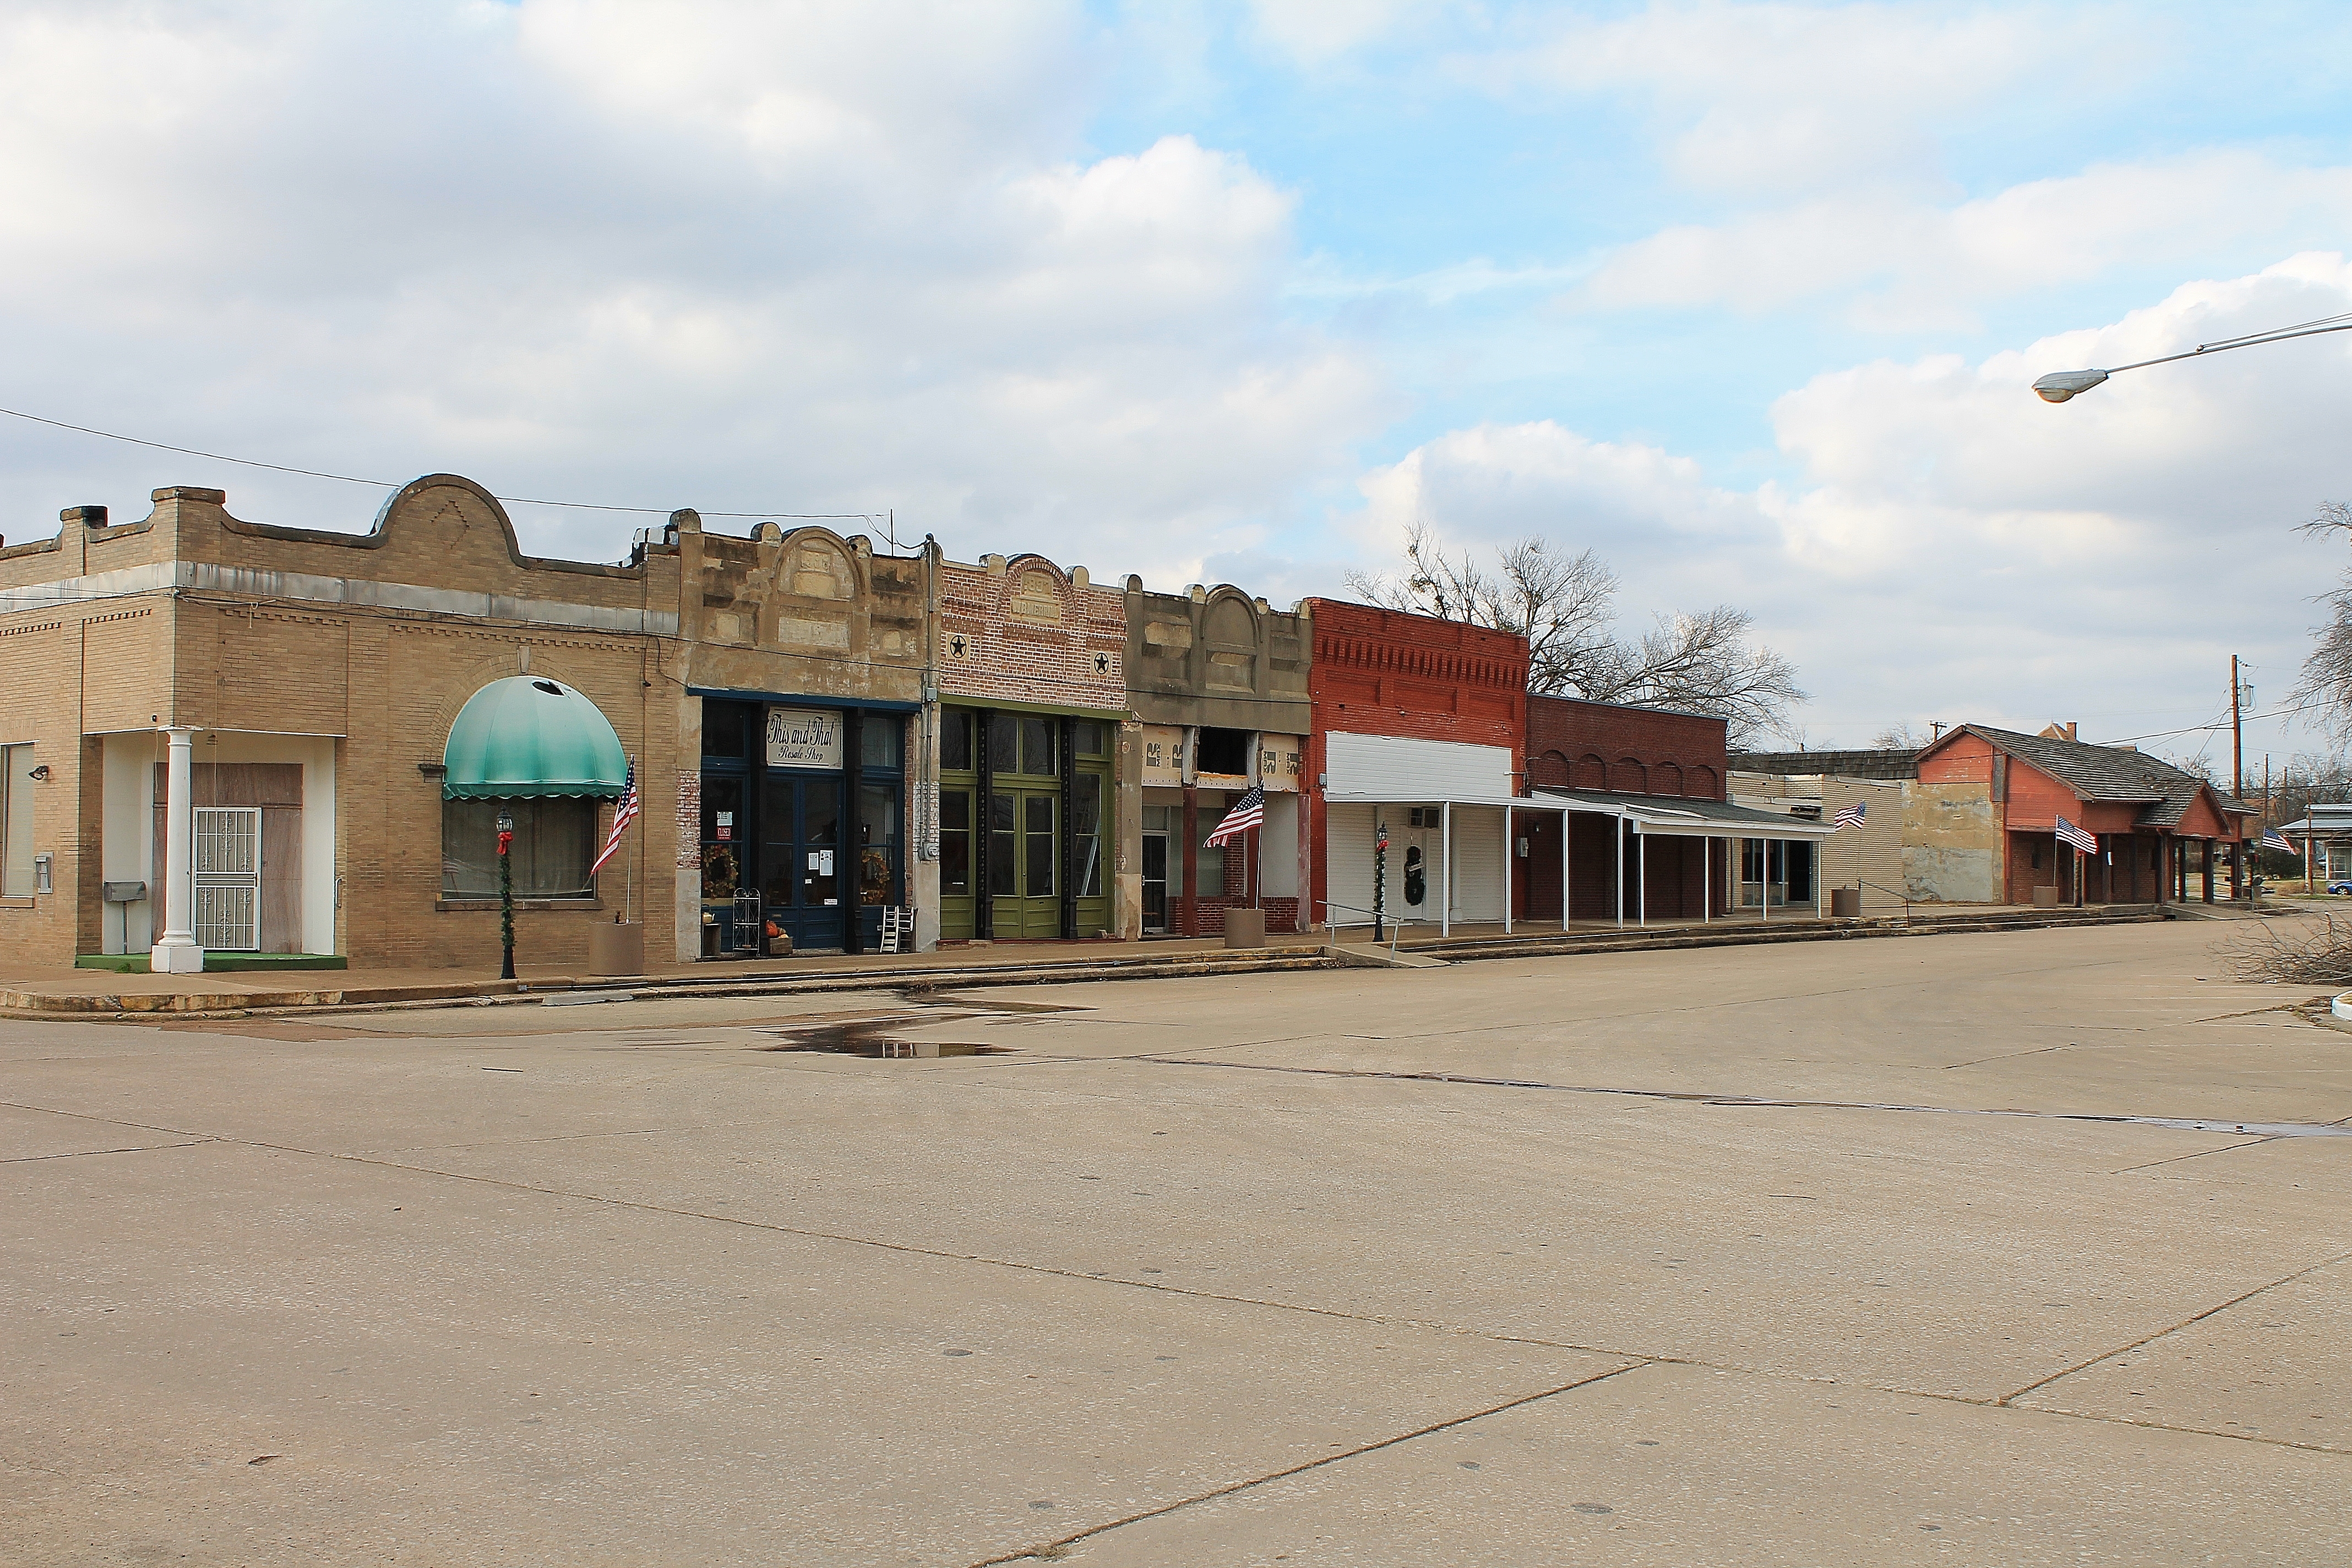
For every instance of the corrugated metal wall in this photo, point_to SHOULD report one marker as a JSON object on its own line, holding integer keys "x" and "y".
{"x": 1347, "y": 849}
{"x": 1399, "y": 768}
{"x": 1477, "y": 863}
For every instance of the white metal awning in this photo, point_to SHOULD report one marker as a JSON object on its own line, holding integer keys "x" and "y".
{"x": 1679, "y": 816}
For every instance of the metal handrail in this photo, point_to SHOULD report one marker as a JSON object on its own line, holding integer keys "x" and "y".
{"x": 1397, "y": 923}
{"x": 1858, "y": 882}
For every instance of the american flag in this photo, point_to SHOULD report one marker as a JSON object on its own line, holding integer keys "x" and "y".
{"x": 2080, "y": 840}
{"x": 2274, "y": 839}
{"x": 1247, "y": 813}
{"x": 622, "y": 815}
{"x": 1850, "y": 816}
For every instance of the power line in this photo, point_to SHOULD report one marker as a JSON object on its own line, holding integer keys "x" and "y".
{"x": 394, "y": 485}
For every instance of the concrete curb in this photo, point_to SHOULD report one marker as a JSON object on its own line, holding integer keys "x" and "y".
{"x": 2342, "y": 1005}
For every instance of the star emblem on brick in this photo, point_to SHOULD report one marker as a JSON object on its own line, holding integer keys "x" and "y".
{"x": 1102, "y": 664}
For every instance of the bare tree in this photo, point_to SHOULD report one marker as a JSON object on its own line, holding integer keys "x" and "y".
{"x": 1898, "y": 737}
{"x": 2326, "y": 688}
{"x": 1564, "y": 605}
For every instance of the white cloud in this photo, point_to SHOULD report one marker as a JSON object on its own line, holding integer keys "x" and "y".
{"x": 798, "y": 256}
{"x": 1953, "y": 547}
{"x": 1787, "y": 97}
{"x": 1316, "y": 32}
{"x": 1898, "y": 261}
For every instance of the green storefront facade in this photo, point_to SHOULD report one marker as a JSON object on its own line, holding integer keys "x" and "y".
{"x": 1027, "y": 799}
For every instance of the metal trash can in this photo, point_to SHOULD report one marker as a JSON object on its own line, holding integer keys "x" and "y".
{"x": 1244, "y": 927}
{"x": 1845, "y": 903}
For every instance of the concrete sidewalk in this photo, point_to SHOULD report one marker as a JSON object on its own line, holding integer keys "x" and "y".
{"x": 37, "y": 992}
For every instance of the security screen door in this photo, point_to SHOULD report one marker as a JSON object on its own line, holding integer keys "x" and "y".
{"x": 228, "y": 868}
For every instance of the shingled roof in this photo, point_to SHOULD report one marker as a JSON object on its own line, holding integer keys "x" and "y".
{"x": 2113, "y": 774}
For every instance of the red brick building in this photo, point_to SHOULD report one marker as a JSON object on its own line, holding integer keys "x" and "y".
{"x": 1607, "y": 752}
{"x": 2162, "y": 832}
{"x": 1418, "y": 726}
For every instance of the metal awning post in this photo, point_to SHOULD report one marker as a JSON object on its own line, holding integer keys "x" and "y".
{"x": 1764, "y": 878}
{"x": 1641, "y": 876}
{"x": 1705, "y": 880}
{"x": 1508, "y": 846}
{"x": 1445, "y": 869}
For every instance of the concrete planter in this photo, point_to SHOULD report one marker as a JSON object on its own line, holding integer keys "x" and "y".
{"x": 1845, "y": 903}
{"x": 617, "y": 949}
{"x": 2046, "y": 898}
{"x": 1244, "y": 927}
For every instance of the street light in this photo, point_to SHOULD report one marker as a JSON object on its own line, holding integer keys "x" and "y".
{"x": 2059, "y": 385}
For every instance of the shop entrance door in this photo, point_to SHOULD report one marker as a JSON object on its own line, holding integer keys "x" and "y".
{"x": 800, "y": 873}
{"x": 1023, "y": 863}
{"x": 1155, "y": 869}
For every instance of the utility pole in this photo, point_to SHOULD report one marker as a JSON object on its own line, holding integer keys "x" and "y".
{"x": 2237, "y": 735}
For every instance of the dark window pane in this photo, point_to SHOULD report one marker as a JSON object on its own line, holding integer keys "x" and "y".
{"x": 776, "y": 811}
{"x": 880, "y": 740}
{"x": 1001, "y": 840}
{"x": 1090, "y": 733}
{"x": 1085, "y": 803}
{"x": 1003, "y": 744}
{"x": 820, "y": 811}
{"x": 554, "y": 840}
{"x": 1037, "y": 843}
{"x": 955, "y": 842}
{"x": 723, "y": 806}
{"x": 1037, "y": 746}
{"x": 722, "y": 730}
{"x": 955, "y": 738}
{"x": 878, "y": 813}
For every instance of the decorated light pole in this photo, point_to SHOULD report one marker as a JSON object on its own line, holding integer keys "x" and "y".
{"x": 506, "y": 892}
{"x": 1380, "y": 876}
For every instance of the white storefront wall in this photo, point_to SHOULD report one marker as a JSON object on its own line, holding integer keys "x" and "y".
{"x": 1402, "y": 774}
{"x": 127, "y": 814}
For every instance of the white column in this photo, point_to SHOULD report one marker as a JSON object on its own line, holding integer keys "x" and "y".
{"x": 1509, "y": 848}
{"x": 1764, "y": 872}
{"x": 1445, "y": 870}
{"x": 1641, "y": 879}
{"x": 1619, "y": 875}
{"x": 1564, "y": 827}
{"x": 1705, "y": 880}
{"x": 175, "y": 952}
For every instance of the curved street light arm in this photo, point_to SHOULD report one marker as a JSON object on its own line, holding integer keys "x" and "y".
{"x": 2059, "y": 385}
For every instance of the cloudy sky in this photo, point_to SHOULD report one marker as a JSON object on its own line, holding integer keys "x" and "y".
{"x": 1748, "y": 297}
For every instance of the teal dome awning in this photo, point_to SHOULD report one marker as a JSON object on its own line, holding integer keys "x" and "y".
{"x": 528, "y": 736}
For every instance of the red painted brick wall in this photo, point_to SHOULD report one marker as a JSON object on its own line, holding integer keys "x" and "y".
{"x": 1383, "y": 672}
{"x": 1594, "y": 745}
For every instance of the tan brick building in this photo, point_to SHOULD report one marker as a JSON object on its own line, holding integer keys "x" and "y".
{"x": 1036, "y": 754}
{"x": 313, "y": 679}
{"x": 1217, "y": 680}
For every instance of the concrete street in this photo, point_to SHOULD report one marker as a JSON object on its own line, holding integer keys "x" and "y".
{"x": 1187, "y": 1274}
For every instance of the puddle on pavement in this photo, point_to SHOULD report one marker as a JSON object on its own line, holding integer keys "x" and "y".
{"x": 879, "y": 1036}
{"x": 2181, "y": 1123}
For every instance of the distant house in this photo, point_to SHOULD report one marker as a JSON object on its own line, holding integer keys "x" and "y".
{"x": 2162, "y": 832}
{"x": 2325, "y": 833}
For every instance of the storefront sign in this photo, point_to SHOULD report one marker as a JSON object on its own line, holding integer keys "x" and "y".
{"x": 1279, "y": 759}
{"x": 1163, "y": 756}
{"x": 804, "y": 737}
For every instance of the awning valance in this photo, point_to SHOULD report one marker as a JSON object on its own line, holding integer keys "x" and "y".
{"x": 527, "y": 737}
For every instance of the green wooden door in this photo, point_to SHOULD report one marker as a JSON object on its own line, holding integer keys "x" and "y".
{"x": 1023, "y": 852}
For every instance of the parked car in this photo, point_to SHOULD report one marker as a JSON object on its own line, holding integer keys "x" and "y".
{"x": 2341, "y": 885}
